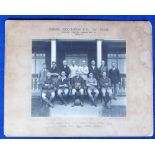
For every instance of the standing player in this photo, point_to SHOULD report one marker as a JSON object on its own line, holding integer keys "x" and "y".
{"x": 103, "y": 68}
{"x": 105, "y": 85}
{"x": 83, "y": 69}
{"x": 73, "y": 69}
{"x": 93, "y": 69}
{"x": 54, "y": 72}
{"x": 65, "y": 68}
{"x": 114, "y": 76}
{"x": 43, "y": 74}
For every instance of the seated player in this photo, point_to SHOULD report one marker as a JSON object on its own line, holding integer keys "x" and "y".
{"x": 77, "y": 84}
{"x": 106, "y": 90}
{"x": 48, "y": 90}
{"x": 93, "y": 92}
{"x": 63, "y": 85}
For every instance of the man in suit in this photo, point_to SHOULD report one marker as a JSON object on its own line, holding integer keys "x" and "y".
{"x": 93, "y": 69}
{"x": 63, "y": 87}
{"x": 65, "y": 68}
{"x": 54, "y": 72}
{"x": 77, "y": 84}
{"x": 114, "y": 76}
{"x": 103, "y": 68}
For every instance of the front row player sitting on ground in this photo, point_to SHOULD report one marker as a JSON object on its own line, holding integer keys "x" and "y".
{"x": 77, "y": 84}
{"x": 63, "y": 87}
{"x": 91, "y": 84}
{"x": 48, "y": 90}
{"x": 106, "y": 90}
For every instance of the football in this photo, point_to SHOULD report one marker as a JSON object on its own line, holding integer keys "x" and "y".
{"x": 77, "y": 102}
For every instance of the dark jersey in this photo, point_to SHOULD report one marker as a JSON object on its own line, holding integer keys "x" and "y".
{"x": 48, "y": 84}
{"x": 54, "y": 70}
{"x": 66, "y": 69}
{"x": 63, "y": 83}
{"x": 95, "y": 72}
{"x": 77, "y": 82}
{"x": 105, "y": 82}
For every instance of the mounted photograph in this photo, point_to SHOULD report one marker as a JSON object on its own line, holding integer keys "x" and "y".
{"x": 78, "y": 78}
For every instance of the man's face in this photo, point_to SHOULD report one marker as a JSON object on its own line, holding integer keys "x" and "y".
{"x": 54, "y": 64}
{"x": 102, "y": 63}
{"x": 93, "y": 62}
{"x": 64, "y": 62}
{"x": 91, "y": 75}
{"x": 73, "y": 62}
{"x": 83, "y": 62}
{"x": 77, "y": 73}
{"x": 113, "y": 65}
{"x": 62, "y": 74}
{"x": 44, "y": 66}
{"x": 48, "y": 75}
{"x": 104, "y": 74}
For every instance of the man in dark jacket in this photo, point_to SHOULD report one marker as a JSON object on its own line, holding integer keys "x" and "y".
{"x": 105, "y": 85}
{"x": 77, "y": 84}
{"x": 103, "y": 68}
{"x": 93, "y": 69}
{"x": 54, "y": 72}
{"x": 65, "y": 68}
{"x": 63, "y": 87}
{"x": 114, "y": 76}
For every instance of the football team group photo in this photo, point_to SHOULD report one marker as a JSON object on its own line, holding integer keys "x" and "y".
{"x": 76, "y": 77}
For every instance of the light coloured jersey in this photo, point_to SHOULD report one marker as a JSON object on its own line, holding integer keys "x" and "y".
{"x": 84, "y": 71}
{"x": 73, "y": 70}
{"x": 91, "y": 82}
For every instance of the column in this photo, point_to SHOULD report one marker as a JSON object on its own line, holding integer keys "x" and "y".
{"x": 99, "y": 52}
{"x": 53, "y": 50}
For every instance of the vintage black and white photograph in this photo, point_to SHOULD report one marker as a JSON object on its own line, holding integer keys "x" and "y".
{"x": 78, "y": 78}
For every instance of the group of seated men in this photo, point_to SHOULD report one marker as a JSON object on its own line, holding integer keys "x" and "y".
{"x": 78, "y": 80}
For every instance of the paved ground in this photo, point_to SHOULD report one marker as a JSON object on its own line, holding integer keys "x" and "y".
{"x": 118, "y": 109}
